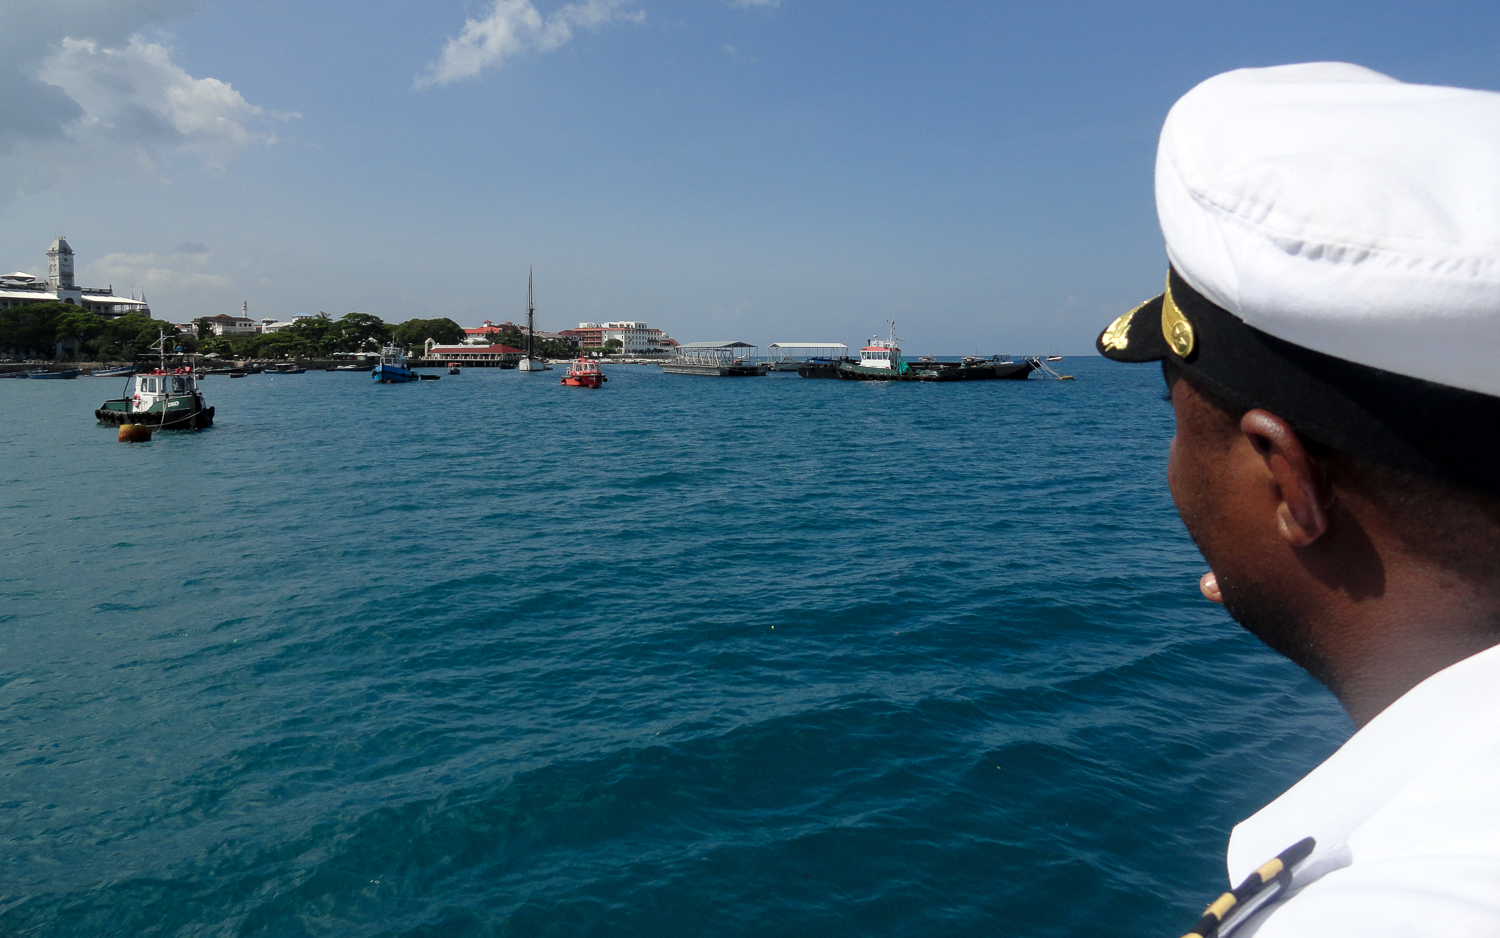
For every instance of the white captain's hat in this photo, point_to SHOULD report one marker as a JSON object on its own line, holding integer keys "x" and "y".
{"x": 1334, "y": 238}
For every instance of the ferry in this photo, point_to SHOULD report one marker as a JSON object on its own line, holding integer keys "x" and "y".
{"x": 392, "y": 368}
{"x": 163, "y": 397}
{"x": 584, "y": 373}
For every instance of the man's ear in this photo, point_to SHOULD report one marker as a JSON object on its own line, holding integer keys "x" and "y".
{"x": 1299, "y": 479}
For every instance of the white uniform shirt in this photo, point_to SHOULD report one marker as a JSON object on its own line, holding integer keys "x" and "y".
{"x": 1406, "y": 816}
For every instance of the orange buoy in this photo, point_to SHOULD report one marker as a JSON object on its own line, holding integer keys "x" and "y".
{"x": 134, "y": 433}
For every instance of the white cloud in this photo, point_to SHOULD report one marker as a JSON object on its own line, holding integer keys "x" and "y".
{"x": 183, "y": 271}
{"x": 136, "y": 98}
{"x": 81, "y": 90}
{"x": 515, "y": 26}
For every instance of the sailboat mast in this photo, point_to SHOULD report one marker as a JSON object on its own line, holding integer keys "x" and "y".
{"x": 530, "y": 315}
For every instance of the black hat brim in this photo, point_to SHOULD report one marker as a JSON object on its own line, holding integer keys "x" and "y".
{"x": 1420, "y": 426}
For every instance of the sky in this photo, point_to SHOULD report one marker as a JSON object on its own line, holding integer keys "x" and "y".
{"x": 755, "y": 170}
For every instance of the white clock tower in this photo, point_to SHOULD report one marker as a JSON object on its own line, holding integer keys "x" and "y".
{"x": 60, "y": 265}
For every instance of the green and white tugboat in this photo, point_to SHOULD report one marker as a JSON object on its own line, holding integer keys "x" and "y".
{"x": 162, "y": 394}
{"x": 881, "y": 361}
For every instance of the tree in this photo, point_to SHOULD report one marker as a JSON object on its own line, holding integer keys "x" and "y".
{"x": 414, "y": 333}
{"x": 128, "y": 336}
{"x": 356, "y": 332}
{"x": 613, "y": 346}
{"x": 30, "y": 331}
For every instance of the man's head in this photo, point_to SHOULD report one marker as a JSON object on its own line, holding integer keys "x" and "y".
{"x": 1330, "y": 333}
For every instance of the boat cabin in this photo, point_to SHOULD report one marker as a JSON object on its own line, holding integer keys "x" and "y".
{"x": 163, "y": 390}
{"x": 880, "y": 355}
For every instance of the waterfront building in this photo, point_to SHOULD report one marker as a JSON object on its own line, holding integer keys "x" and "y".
{"x": 636, "y": 338}
{"x": 475, "y": 355}
{"x": 483, "y": 335}
{"x": 236, "y": 325}
{"x": 20, "y": 288}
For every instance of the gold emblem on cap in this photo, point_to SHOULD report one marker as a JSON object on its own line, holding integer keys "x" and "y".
{"x": 1175, "y": 327}
{"x": 1117, "y": 336}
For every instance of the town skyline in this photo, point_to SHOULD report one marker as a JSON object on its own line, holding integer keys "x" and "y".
{"x": 749, "y": 169}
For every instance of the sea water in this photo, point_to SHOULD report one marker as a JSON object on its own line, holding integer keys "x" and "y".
{"x": 682, "y": 656}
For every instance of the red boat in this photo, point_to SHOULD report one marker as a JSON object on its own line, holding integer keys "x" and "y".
{"x": 584, "y": 373}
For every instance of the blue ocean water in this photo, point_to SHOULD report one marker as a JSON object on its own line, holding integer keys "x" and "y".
{"x": 489, "y": 656}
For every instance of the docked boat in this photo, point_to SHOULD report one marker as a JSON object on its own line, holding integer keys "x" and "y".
{"x": 881, "y": 360}
{"x": 715, "y": 359}
{"x": 162, "y": 395}
{"x": 821, "y": 367}
{"x": 392, "y": 368}
{"x": 584, "y": 373}
{"x": 56, "y": 375}
{"x": 531, "y": 362}
{"x": 284, "y": 368}
{"x": 124, "y": 372}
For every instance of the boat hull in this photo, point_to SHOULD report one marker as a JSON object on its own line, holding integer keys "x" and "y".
{"x": 187, "y": 415}
{"x": 714, "y": 370}
{"x": 392, "y": 374}
{"x": 939, "y": 372}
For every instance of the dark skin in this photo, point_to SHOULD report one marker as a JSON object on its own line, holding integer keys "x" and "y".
{"x": 1308, "y": 563}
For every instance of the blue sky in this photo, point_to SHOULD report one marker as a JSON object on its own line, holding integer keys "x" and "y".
{"x": 764, "y": 171}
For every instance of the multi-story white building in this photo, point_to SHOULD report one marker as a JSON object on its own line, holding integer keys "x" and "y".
{"x": 636, "y": 338}
{"x": 20, "y": 288}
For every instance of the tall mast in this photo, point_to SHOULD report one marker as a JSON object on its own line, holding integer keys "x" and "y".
{"x": 530, "y": 314}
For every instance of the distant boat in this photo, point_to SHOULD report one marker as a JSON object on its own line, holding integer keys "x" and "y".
{"x": 392, "y": 368}
{"x": 39, "y": 375}
{"x": 585, "y": 373}
{"x": 125, "y": 372}
{"x": 530, "y": 362}
{"x": 284, "y": 368}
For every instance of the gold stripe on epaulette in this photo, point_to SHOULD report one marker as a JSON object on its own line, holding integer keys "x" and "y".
{"x": 1221, "y": 905}
{"x": 1271, "y": 869}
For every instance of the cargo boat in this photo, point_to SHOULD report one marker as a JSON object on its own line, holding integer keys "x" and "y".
{"x": 881, "y": 360}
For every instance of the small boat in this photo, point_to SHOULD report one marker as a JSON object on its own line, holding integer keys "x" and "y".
{"x": 453, "y": 368}
{"x": 584, "y": 373}
{"x": 67, "y": 373}
{"x": 1054, "y": 358}
{"x": 125, "y": 372}
{"x": 163, "y": 396}
{"x": 392, "y": 368}
{"x": 238, "y": 374}
{"x": 284, "y": 368}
